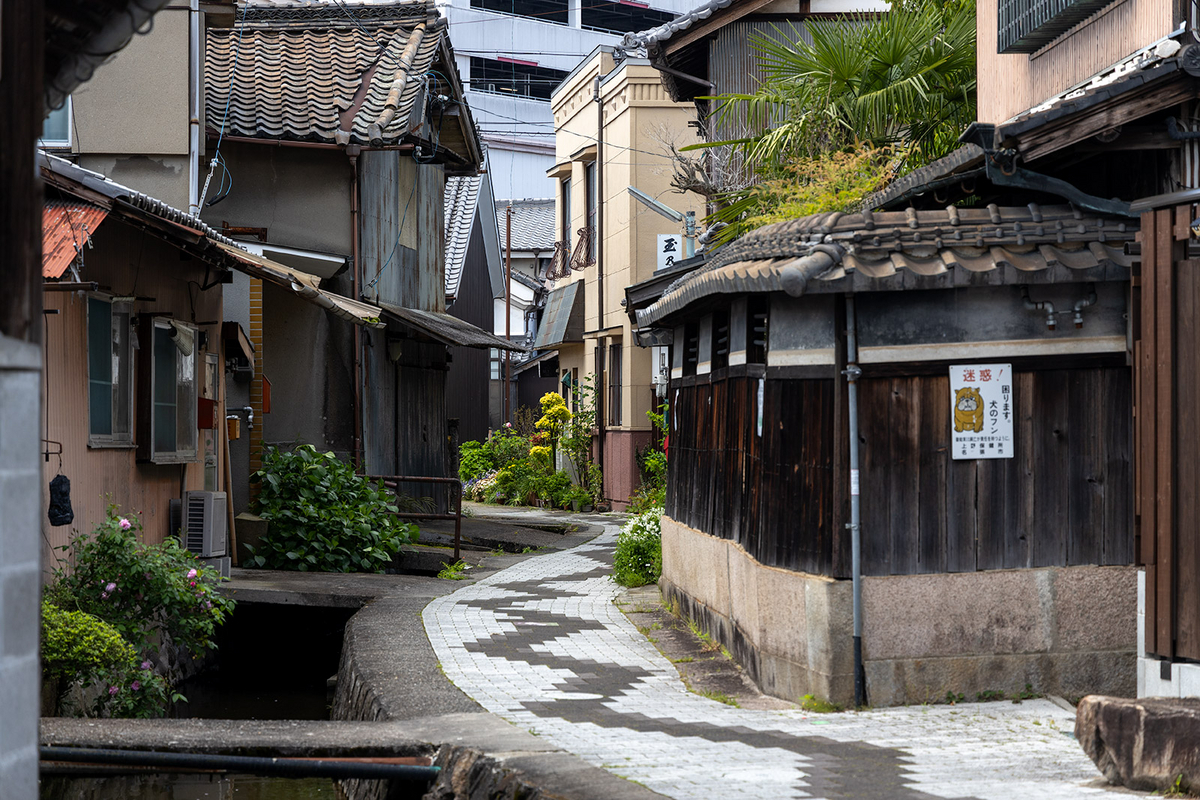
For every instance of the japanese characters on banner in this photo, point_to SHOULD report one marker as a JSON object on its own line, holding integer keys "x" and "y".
{"x": 981, "y": 411}
{"x": 670, "y": 250}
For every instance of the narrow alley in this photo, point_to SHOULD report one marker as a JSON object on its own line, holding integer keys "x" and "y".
{"x": 544, "y": 646}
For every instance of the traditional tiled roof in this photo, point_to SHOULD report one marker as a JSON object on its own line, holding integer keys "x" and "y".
{"x": 461, "y": 203}
{"x": 643, "y": 39}
{"x": 909, "y": 249}
{"x": 321, "y": 74}
{"x": 532, "y": 224}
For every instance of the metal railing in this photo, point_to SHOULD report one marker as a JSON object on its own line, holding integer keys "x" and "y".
{"x": 393, "y": 482}
{"x": 1025, "y": 26}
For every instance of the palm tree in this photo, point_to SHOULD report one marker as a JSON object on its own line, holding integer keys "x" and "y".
{"x": 902, "y": 79}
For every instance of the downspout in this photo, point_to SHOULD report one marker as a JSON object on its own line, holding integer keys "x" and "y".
{"x": 853, "y": 372}
{"x": 352, "y": 152}
{"x": 601, "y": 425}
{"x": 194, "y": 111}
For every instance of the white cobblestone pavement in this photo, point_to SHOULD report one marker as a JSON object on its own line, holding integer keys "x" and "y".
{"x": 543, "y": 645}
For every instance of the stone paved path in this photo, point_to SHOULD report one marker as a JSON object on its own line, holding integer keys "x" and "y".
{"x": 543, "y": 646}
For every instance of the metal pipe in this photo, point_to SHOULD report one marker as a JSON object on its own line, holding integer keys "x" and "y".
{"x": 399, "y": 84}
{"x": 1040, "y": 305}
{"x": 852, "y": 373}
{"x": 1080, "y": 305}
{"x": 352, "y": 152}
{"x": 254, "y": 765}
{"x": 194, "y": 110}
{"x": 508, "y": 311}
{"x": 598, "y": 233}
{"x": 403, "y": 148}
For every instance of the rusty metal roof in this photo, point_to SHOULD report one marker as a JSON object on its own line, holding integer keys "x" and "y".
{"x": 66, "y": 227}
{"x": 447, "y": 329}
{"x": 316, "y": 74}
{"x": 911, "y": 249}
{"x": 461, "y": 203}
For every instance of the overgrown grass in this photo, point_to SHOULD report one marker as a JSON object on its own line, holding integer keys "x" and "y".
{"x": 453, "y": 572}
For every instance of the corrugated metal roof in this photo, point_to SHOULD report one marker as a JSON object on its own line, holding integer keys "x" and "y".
{"x": 298, "y": 73}
{"x": 563, "y": 318}
{"x": 532, "y": 224}
{"x": 192, "y": 233}
{"x": 66, "y": 227}
{"x": 913, "y": 250}
{"x": 461, "y": 203}
{"x": 448, "y": 329}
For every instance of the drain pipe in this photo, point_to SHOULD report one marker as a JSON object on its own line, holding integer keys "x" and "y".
{"x": 852, "y": 373}
{"x": 194, "y": 90}
{"x": 315, "y": 767}
{"x": 352, "y": 152}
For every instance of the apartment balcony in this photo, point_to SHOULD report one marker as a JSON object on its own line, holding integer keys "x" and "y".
{"x": 1026, "y": 26}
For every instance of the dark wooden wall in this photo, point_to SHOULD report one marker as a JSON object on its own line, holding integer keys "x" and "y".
{"x": 467, "y": 382}
{"x": 772, "y": 494}
{"x": 1065, "y": 499}
{"x": 1167, "y": 363}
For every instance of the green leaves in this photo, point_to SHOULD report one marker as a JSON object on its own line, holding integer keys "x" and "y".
{"x": 638, "y": 557}
{"x": 324, "y": 517}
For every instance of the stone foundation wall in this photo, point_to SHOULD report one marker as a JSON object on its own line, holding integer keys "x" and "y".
{"x": 1067, "y": 631}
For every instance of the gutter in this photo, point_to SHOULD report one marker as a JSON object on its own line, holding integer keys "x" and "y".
{"x": 352, "y": 151}
{"x": 194, "y": 112}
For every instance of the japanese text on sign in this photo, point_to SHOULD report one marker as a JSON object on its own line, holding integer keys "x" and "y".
{"x": 981, "y": 411}
{"x": 670, "y": 246}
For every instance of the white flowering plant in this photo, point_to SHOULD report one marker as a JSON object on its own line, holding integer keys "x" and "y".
{"x": 638, "y": 558}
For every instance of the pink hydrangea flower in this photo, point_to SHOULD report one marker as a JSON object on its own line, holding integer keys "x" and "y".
{"x": 146, "y": 665}
{"x": 125, "y": 524}
{"x": 113, "y": 690}
{"x": 508, "y": 424}
{"x": 112, "y": 587}
{"x": 135, "y": 685}
{"x": 209, "y": 604}
{"x": 191, "y": 574}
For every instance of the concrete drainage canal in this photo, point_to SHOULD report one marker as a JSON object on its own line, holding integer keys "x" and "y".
{"x": 273, "y": 662}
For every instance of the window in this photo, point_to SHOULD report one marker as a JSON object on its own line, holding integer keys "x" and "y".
{"x": 691, "y": 348}
{"x": 110, "y": 373}
{"x": 757, "y": 319}
{"x": 56, "y": 129}
{"x": 624, "y": 16}
{"x": 566, "y": 215}
{"x": 719, "y": 355}
{"x": 495, "y": 364}
{"x": 543, "y": 10}
{"x": 614, "y": 384}
{"x": 167, "y": 422}
{"x": 521, "y": 78}
{"x": 589, "y": 187}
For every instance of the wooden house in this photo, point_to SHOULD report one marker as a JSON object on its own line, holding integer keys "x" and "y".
{"x": 339, "y": 162}
{"x": 979, "y": 573}
{"x": 138, "y": 359}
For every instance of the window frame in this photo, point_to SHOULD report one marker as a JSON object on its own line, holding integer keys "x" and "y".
{"x": 591, "y": 204}
{"x": 115, "y": 439}
{"x": 147, "y": 394}
{"x": 616, "y": 354}
{"x": 59, "y": 144}
{"x": 565, "y": 188}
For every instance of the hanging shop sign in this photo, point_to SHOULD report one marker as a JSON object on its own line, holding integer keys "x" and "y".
{"x": 981, "y": 411}
{"x": 670, "y": 250}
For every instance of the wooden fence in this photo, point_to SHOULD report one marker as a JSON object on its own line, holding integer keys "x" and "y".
{"x": 1065, "y": 499}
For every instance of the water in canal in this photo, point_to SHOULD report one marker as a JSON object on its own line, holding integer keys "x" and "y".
{"x": 186, "y": 787}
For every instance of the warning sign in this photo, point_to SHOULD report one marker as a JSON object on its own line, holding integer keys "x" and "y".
{"x": 981, "y": 411}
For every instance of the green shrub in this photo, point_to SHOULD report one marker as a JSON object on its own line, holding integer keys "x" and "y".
{"x": 323, "y": 517}
{"x": 78, "y": 644}
{"x": 638, "y": 558}
{"x": 474, "y": 460}
{"x": 154, "y": 595}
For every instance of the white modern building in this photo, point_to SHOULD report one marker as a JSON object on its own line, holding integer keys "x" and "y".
{"x": 513, "y": 53}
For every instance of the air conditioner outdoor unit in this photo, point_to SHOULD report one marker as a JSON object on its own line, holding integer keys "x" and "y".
{"x": 205, "y": 523}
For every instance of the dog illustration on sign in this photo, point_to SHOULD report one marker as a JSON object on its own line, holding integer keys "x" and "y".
{"x": 968, "y": 410}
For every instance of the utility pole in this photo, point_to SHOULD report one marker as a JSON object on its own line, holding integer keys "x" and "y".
{"x": 508, "y": 311}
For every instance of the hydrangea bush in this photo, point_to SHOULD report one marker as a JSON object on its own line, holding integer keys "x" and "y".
{"x": 638, "y": 558}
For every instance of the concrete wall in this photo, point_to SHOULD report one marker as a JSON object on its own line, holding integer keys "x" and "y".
{"x": 1065, "y": 631}
{"x": 20, "y": 578}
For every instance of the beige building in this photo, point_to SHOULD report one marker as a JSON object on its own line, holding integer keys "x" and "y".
{"x": 602, "y": 148}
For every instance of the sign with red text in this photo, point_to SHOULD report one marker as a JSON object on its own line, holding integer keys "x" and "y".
{"x": 981, "y": 411}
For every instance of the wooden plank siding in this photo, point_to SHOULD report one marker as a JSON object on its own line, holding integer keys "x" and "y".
{"x": 1064, "y": 499}
{"x": 1166, "y": 387}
